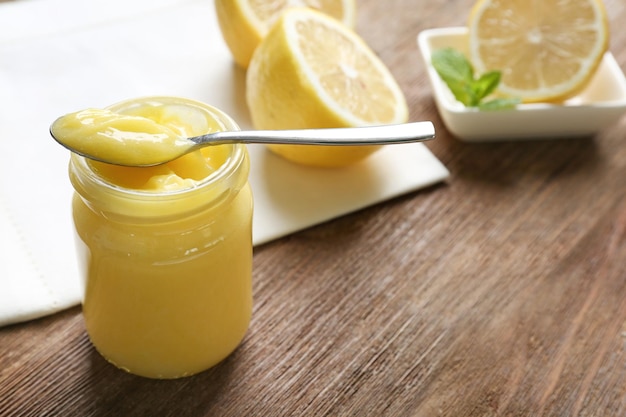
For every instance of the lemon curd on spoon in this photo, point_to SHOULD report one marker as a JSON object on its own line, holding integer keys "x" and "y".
{"x": 123, "y": 139}
{"x": 165, "y": 252}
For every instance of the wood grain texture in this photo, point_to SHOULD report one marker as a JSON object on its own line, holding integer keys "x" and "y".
{"x": 499, "y": 293}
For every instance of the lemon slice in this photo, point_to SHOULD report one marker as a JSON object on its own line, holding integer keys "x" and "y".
{"x": 547, "y": 50}
{"x": 244, "y": 23}
{"x": 311, "y": 71}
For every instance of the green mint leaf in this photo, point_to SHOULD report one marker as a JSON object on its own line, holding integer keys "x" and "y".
{"x": 486, "y": 84}
{"x": 463, "y": 91}
{"x": 500, "y": 103}
{"x": 458, "y": 74}
{"x": 452, "y": 64}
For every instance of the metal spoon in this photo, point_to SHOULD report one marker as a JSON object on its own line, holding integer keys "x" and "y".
{"x": 353, "y": 136}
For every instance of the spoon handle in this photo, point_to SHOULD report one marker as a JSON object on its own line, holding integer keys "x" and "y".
{"x": 366, "y": 135}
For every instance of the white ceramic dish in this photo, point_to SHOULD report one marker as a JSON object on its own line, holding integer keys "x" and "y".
{"x": 601, "y": 103}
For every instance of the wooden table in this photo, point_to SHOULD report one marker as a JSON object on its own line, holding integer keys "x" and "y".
{"x": 499, "y": 293}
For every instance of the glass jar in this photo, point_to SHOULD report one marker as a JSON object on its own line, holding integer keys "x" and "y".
{"x": 167, "y": 270}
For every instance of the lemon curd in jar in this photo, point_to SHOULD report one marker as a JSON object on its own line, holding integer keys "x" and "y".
{"x": 166, "y": 251}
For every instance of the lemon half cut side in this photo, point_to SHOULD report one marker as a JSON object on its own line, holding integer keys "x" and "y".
{"x": 244, "y": 23}
{"x": 546, "y": 50}
{"x": 311, "y": 71}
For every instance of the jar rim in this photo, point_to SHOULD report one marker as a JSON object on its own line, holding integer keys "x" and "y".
{"x": 232, "y": 163}
{"x": 235, "y": 157}
{"x": 106, "y": 196}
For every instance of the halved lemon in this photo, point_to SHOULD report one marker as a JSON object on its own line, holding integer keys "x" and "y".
{"x": 546, "y": 50}
{"x": 311, "y": 71}
{"x": 244, "y": 23}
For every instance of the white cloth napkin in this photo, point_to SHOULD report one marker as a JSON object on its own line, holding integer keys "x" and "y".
{"x": 58, "y": 56}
